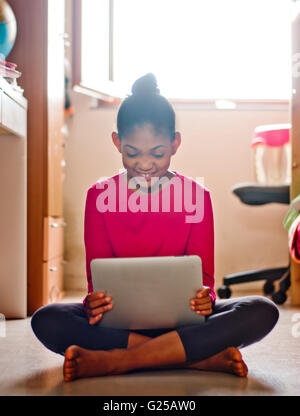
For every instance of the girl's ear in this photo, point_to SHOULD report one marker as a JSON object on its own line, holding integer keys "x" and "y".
{"x": 176, "y": 142}
{"x": 116, "y": 140}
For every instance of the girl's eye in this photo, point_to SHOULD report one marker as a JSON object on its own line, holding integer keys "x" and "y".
{"x": 158, "y": 156}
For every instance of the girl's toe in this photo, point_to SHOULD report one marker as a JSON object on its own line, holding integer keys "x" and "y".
{"x": 68, "y": 364}
{"x": 69, "y": 375}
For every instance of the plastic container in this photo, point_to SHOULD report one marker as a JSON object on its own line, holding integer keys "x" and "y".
{"x": 272, "y": 154}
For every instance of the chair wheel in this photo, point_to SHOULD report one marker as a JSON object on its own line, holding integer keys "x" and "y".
{"x": 268, "y": 287}
{"x": 285, "y": 284}
{"x": 279, "y": 297}
{"x": 224, "y": 292}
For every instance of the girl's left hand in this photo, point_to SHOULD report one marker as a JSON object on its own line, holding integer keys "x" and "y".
{"x": 202, "y": 303}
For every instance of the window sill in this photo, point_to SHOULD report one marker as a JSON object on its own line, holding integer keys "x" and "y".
{"x": 231, "y": 105}
{"x": 102, "y": 101}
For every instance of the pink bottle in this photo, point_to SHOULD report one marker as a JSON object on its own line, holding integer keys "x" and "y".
{"x": 272, "y": 154}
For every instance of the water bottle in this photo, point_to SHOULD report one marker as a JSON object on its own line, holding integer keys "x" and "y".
{"x": 272, "y": 154}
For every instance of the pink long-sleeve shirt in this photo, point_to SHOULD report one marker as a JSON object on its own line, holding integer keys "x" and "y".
{"x": 186, "y": 227}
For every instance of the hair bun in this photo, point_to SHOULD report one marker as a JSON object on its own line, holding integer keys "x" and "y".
{"x": 146, "y": 85}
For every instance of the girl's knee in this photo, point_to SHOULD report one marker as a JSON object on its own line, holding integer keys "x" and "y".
{"x": 40, "y": 319}
{"x": 48, "y": 324}
{"x": 264, "y": 310}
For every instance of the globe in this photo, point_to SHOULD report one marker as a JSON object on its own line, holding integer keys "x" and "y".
{"x": 8, "y": 29}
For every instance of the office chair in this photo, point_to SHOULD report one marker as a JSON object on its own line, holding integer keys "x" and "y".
{"x": 256, "y": 194}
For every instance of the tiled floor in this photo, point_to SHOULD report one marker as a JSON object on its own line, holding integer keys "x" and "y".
{"x": 27, "y": 368}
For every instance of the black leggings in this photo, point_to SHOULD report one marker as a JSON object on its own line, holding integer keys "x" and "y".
{"x": 236, "y": 322}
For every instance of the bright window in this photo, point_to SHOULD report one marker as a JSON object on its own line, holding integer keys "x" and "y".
{"x": 198, "y": 49}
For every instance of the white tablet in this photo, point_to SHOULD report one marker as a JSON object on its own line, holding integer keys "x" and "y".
{"x": 149, "y": 292}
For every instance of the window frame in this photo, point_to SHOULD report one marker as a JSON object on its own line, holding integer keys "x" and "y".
{"x": 107, "y": 99}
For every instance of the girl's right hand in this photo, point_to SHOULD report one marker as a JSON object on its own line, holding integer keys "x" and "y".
{"x": 95, "y": 305}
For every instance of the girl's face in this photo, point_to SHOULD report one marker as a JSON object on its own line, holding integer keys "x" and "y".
{"x": 146, "y": 153}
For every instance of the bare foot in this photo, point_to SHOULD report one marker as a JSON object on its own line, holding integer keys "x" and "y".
{"x": 228, "y": 361}
{"x": 80, "y": 363}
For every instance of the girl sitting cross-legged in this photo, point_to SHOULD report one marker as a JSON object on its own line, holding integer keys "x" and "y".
{"x": 147, "y": 140}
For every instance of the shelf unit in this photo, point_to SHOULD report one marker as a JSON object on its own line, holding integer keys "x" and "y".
{"x": 13, "y": 206}
{"x": 39, "y": 53}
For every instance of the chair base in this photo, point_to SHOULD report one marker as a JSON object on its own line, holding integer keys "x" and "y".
{"x": 269, "y": 275}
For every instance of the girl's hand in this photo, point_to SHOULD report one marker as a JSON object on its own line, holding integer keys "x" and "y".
{"x": 96, "y": 304}
{"x": 202, "y": 303}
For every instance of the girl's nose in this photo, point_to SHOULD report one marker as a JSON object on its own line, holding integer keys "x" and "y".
{"x": 145, "y": 166}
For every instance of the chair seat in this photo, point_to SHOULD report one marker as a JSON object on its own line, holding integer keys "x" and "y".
{"x": 255, "y": 194}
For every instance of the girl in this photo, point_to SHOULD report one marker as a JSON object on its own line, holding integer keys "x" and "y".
{"x": 147, "y": 140}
